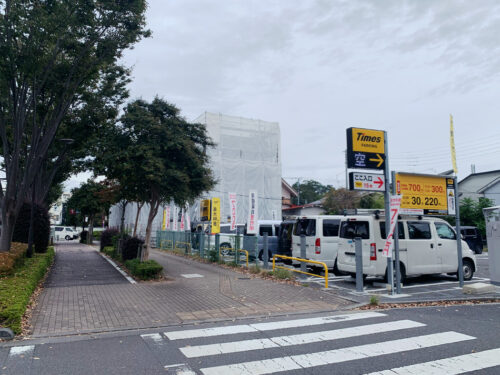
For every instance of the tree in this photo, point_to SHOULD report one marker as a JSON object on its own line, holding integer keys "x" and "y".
{"x": 372, "y": 200}
{"x": 156, "y": 156}
{"x": 471, "y": 213}
{"x": 337, "y": 200}
{"x": 56, "y": 55}
{"x": 310, "y": 191}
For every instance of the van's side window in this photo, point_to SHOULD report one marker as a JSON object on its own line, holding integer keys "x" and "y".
{"x": 331, "y": 228}
{"x": 352, "y": 229}
{"x": 277, "y": 230}
{"x": 470, "y": 232}
{"x": 419, "y": 230}
{"x": 266, "y": 229}
{"x": 58, "y": 229}
{"x": 306, "y": 227}
{"x": 401, "y": 230}
{"x": 444, "y": 231}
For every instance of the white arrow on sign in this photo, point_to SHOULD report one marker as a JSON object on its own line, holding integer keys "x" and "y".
{"x": 366, "y": 181}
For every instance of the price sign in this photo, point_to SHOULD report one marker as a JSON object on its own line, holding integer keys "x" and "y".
{"x": 427, "y": 193}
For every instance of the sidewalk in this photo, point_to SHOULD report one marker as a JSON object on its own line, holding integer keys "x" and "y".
{"x": 85, "y": 294}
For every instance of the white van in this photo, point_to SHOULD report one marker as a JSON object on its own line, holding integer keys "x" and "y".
{"x": 67, "y": 233}
{"x": 321, "y": 233}
{"x": 427, "y": 245}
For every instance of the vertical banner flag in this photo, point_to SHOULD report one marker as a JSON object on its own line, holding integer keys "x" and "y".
{"x": 394, "y": 212}
{"x": 215, "y": 215}
{"x": 252, "y": 212}
{"x": 163, "y": 223}
{"x": 188, "y": 220}
{"x": 452, "y": 145}
{"x": 175, "y": 218}
{"x": 167, "y": 217}
{"x": 182, "y": 220}
{"x": 232, "y": 209}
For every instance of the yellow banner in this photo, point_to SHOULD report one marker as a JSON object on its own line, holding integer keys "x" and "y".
{"x": 164, "y": 221}
{"x": 215, "y": 215}
{"x": 452, "y": 145}
{"x": 367, "y": 140}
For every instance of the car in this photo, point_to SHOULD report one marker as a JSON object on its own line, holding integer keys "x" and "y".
{"x": 473, "y": 237}
{"x": 285, "y": 239}
{"x": 321, "y": 236}
{"x": 67, "y": 233}
{"x": 427, "y": 245}
{"x": 254, "y": 244}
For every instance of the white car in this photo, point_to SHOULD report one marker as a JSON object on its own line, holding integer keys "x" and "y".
{"x": 427, "y": 245}
{"x": 67, "y": 233}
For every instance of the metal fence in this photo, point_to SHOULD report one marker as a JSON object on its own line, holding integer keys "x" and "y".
{"x": 219, "y": 247}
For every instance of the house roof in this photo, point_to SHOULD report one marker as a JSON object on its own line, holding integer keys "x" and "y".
{"x": 288, "y": 187}
{"x": 489, "y": 185}
{"x": 472, "y": 175}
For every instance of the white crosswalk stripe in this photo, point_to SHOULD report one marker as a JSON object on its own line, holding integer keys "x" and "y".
{"x": 209, "y": 350}
{"x": 304, "y": 361}
{"x": 450, "y": 366}
{"x": 245, "y": 328}
{"x": 306, "y": 338}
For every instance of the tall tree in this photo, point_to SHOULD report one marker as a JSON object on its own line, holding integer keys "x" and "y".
{"x": 337, "y": 200}
{"x": 309, "y": 191}
{"x": 54, "y": 53}
{"x": 157, "y": 156}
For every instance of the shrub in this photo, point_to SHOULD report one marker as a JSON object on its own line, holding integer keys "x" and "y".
{"x": 255, "y": 269}
{"x": 83, "y": 236}
{"x": 130, "y": 247}
{"x": 41, "y": 227}
{"x": 374, "y": 300}
{"x": 16, "y": 290}
{"x": 97, "y": 234}
{"x": 110, "y": 251}
{"x": 107, "y": 237}
{"x": 283, "y": 274}
{"x": 13, "y": 258}
{"x": 213, "y": 256}
{"x": 149, "y": 269}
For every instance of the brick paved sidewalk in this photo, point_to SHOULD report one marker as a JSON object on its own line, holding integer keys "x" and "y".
{"x": 102, "y": 304}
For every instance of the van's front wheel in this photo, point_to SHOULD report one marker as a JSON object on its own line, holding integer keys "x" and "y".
{"x": 468, "y": 269}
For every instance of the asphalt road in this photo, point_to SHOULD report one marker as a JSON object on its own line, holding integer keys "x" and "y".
{"x": 438, "y": 340}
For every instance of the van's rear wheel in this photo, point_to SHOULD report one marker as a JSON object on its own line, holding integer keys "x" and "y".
{"x": 468, "y": 269}
{"x": 402, "y": 273}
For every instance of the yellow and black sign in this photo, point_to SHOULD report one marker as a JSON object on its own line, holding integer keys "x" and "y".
{"x": 215, "y": 215}
{"x": 428, "y": 193}
{"x": 205, "y": 210}
{"x": 365, "y": 148}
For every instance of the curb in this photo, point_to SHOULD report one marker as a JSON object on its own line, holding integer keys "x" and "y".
{"x": 124, "y": 274}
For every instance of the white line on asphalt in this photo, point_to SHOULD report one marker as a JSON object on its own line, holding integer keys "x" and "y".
{"x": 191, "y": 275}
{"x": 155, "y": 337}
{"x": 303, "y": 361}
{"x": 450, "y": 366}
{"x": 18, "y": 350}
{"x": 243, "y": 328}
{"x": 300, "y": 339}
{"x": 179, "y": 369}
{"x": 130, "y": 280}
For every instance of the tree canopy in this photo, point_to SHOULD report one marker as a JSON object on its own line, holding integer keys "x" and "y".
{"x": 59, "y": 76}
{"x": 310, "y": 191}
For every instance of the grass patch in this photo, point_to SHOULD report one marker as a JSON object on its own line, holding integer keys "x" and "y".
{"x": 150, "y": 269}
{"x": 254, "y": 269}
{"x": 109, "y": 251}
{"x": 283, "y": 274}
{"x": 374, "y": 300}
{"x": 16, "y": 289}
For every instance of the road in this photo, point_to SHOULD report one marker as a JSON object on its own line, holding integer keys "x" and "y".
{"x": 437, "y": 340}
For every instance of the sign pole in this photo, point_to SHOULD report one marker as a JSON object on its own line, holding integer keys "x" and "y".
{"x": 396, "y": 240}
{"x": 390, "y": 273}
{"x": 459, "y": 235}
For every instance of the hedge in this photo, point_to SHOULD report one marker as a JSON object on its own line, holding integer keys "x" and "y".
{"x": 16, "y": 289}
{"x": 150, "y": 269}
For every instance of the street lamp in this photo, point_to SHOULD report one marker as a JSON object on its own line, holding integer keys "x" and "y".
{"x": 29, "y": 253}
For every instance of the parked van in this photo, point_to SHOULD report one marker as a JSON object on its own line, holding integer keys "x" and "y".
{"x": 285, "y": 239}
{"x": 272, "y": 228}
{"x": 65, "y": 232}
{"x": 473, "y": 237}
{"x": 427, "y": 245}
{"x": 322, "y": 234}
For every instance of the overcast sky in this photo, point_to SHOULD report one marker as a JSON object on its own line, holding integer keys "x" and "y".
{"x": 319, "y": 67}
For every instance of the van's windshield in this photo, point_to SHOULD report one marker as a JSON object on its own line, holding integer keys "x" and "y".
{"x": 352, "y": 229}
{"x": 306, "y": 227}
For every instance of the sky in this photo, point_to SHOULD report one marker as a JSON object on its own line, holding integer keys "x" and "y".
{"x": 319, "y": 67}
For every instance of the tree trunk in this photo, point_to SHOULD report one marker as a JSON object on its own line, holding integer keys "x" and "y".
{"x": 90, "y": 235}
{"x": 139, "y": 206}
{"x": 154, "y": 204}
{"x": 7, "y": 230}
{"x": 122, "y": 220}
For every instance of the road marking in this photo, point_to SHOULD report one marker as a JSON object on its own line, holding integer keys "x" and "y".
{"x": 130, "y": 280}
{"x": 300, "y": 339}
{"x": 191, "y": 275}
{"x": 450, "y": 366}
{"x": 155, "y": 337}
{"x": 244, "y": 328}
{"x": 21, "y": 350}
{"x": 179, "y": 369}
{"x": 298, "y": 362}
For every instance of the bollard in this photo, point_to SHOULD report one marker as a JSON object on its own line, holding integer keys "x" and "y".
{"x": 265, "y": 254}
{"x": 303, "y": 266}
{"x": 217, "y": 246}
{"x": 202, "y": 240}
{"x": 359, "y": 264}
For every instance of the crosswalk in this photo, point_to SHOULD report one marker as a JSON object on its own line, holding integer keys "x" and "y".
{"x": 235, "y": 349}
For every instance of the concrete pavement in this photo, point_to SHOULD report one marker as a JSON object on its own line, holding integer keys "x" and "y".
{"x": 85, "y": 294}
